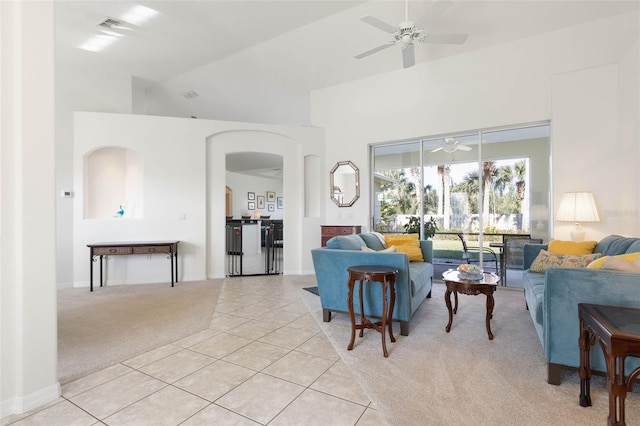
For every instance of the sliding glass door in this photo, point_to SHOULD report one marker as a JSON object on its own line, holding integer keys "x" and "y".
{"x": 476, "y": 186}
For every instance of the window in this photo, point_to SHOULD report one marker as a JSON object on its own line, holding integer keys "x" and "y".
{"x": 493, "y": 181}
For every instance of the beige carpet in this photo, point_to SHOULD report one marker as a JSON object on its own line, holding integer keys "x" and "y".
{"x": 461, "y": 378}
{"x": 114, "y": 323}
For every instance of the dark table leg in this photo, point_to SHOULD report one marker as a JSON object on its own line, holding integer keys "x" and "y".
{"x": 171, "y": 260}
{"x": 352, "y": 315}
{"x": 101, "y": 256}
{"x": 91, "y": 260}
{"x": 490, "y": 304}
{"x": 176, "y": 255}
{"x": 585, "y": 366}
{"x": 385, "y": 312}
{"x": 392, "y": 292}
{"x": 447, "y": 300}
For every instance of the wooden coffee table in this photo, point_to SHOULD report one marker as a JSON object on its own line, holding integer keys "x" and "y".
{"x": 455, "y": 284}
{"x": 617, "y": 329}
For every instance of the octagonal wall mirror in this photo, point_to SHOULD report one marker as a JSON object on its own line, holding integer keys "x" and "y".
{"x": 345, "y": 184}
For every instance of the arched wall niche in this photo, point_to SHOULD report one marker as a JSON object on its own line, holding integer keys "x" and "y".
{"x": 223, "y": 143}
{"x": 113, "y": 184}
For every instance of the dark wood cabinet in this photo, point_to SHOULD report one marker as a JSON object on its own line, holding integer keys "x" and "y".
{"x": 330, "y": 231}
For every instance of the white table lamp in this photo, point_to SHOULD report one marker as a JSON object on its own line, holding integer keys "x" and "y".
{"x": 577, "y": 207}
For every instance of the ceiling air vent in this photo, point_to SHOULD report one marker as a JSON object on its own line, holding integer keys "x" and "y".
{"x": 110, "y": 23}
{"x": 190, "y": 94}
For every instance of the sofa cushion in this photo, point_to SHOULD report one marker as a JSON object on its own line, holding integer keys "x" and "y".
{"x": 634, "y": 247}
{"x": 614, "y": 244}
{"x": 536, "y": 288}
{"x": 545, "y": 260}
{"x": 372, "y": 241}
{"x": 629, "y": 262}
{"x": 572, "y": 247}
{"x": 346, "y": 242}
{"x": 420, "y": 273}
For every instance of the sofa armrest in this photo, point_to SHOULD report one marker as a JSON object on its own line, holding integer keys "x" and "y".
{"x": 530, "y": 252}
{"x": 331, "y": 266}
{"x": 427, "y": 250}
{"x": 564, "y": 289}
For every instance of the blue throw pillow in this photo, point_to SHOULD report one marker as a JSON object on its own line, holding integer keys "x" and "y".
{"x": 372, "y": 241}
{"x": 346, "y": 242}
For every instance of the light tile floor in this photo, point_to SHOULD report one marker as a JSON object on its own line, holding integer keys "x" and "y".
{"x": 262, "y": 361}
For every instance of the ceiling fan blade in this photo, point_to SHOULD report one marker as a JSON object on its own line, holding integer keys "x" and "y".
{"x": 433, "y": 13}
{"x": 463, "y": 147}
{"x": 408, "y": 58}
{"x": 381, "y": 25}
{"x": 375, "y": 49}
{"x": 445, "y": 38}
{"x": 437, "y": 149}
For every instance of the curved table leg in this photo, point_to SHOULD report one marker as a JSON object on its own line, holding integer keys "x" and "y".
{"x": 490, "y": 304}
{"x": 383, "y": 325}
{"x": 352, "y": 316}
{"x": 392, "y": 291}
{"x": 447, "y": 300}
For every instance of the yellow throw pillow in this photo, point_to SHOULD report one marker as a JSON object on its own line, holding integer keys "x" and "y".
{"x": 571, "y": 247}
{"x": 629, "y": 262}
{"x": 414, "y": 252}
{"x": 401, "y": 239}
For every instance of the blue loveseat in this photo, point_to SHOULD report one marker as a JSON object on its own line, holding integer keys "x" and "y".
{"x": 552, "y": 299}
{"x": 413, "y": 281}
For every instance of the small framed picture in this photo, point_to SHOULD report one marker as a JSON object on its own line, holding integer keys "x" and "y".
{"x": 261, "y": 201}
{"x": 271, "y": 207}
{"x": 280, "y": 202}
{"x": 251, "y": 195}
{"x": 271, "y": 197}
{"x": 251, "y": 205}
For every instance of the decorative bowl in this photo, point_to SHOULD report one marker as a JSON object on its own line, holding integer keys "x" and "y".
{"x": 470, "y": 272}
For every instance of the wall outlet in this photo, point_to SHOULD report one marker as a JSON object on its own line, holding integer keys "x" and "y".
{"x": 66, "y": 194}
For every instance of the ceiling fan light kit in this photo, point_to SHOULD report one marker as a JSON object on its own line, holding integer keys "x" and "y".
{"x": 407, "y": 32}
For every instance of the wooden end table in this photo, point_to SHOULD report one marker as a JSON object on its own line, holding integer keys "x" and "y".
{"x": 386, "y": 276}
{"x": 455, "y": 284}
{"x": 618, "y": 331}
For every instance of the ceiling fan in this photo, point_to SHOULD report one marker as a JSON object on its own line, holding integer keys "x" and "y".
{"x": 407, "y": 32}
{"x": 451, "y": 145}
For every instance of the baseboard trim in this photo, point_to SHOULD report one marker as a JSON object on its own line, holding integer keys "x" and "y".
{"x": 20, "y": 405}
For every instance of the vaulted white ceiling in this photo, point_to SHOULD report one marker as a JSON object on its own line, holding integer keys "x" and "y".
{"x": 311, "y": 42}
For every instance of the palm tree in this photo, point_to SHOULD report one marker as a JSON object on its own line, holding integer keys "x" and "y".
{"x": 520, "y": 169}
{"x": 488, "y": 171}
{"x": 444, "y": 196}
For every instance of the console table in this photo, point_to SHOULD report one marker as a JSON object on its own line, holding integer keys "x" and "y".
{"x": 102, "y": 250}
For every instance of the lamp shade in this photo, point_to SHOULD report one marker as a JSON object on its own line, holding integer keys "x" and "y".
{"x": 578, "y": 207}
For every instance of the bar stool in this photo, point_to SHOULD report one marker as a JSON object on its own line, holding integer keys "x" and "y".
{"x": 386, "y": 276}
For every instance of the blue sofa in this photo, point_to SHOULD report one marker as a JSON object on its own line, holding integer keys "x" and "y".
{"x": 552, "y": 299}
{"x": 413, "y": 281}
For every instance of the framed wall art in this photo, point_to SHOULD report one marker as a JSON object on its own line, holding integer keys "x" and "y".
{"x": 280, "y": 202}
{"x": 271, "y": 207}
{"x": 251, "y": 196}
{"x": 251, "y": 205}
{"x": 271, "y": 197}
{"x": 260, "y": 200}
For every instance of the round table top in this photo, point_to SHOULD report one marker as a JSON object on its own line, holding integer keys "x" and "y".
{"x": 487, "y": 278}
{"x": 372, "y": 269}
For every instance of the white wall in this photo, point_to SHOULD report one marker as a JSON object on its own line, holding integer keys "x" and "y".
{"x": 184, "y": 180}
{"x": 505, "y": 85}
{"x": 78, "y": 89}
{"x": 241, "y": 184}
{"x": 28, "y": 345}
